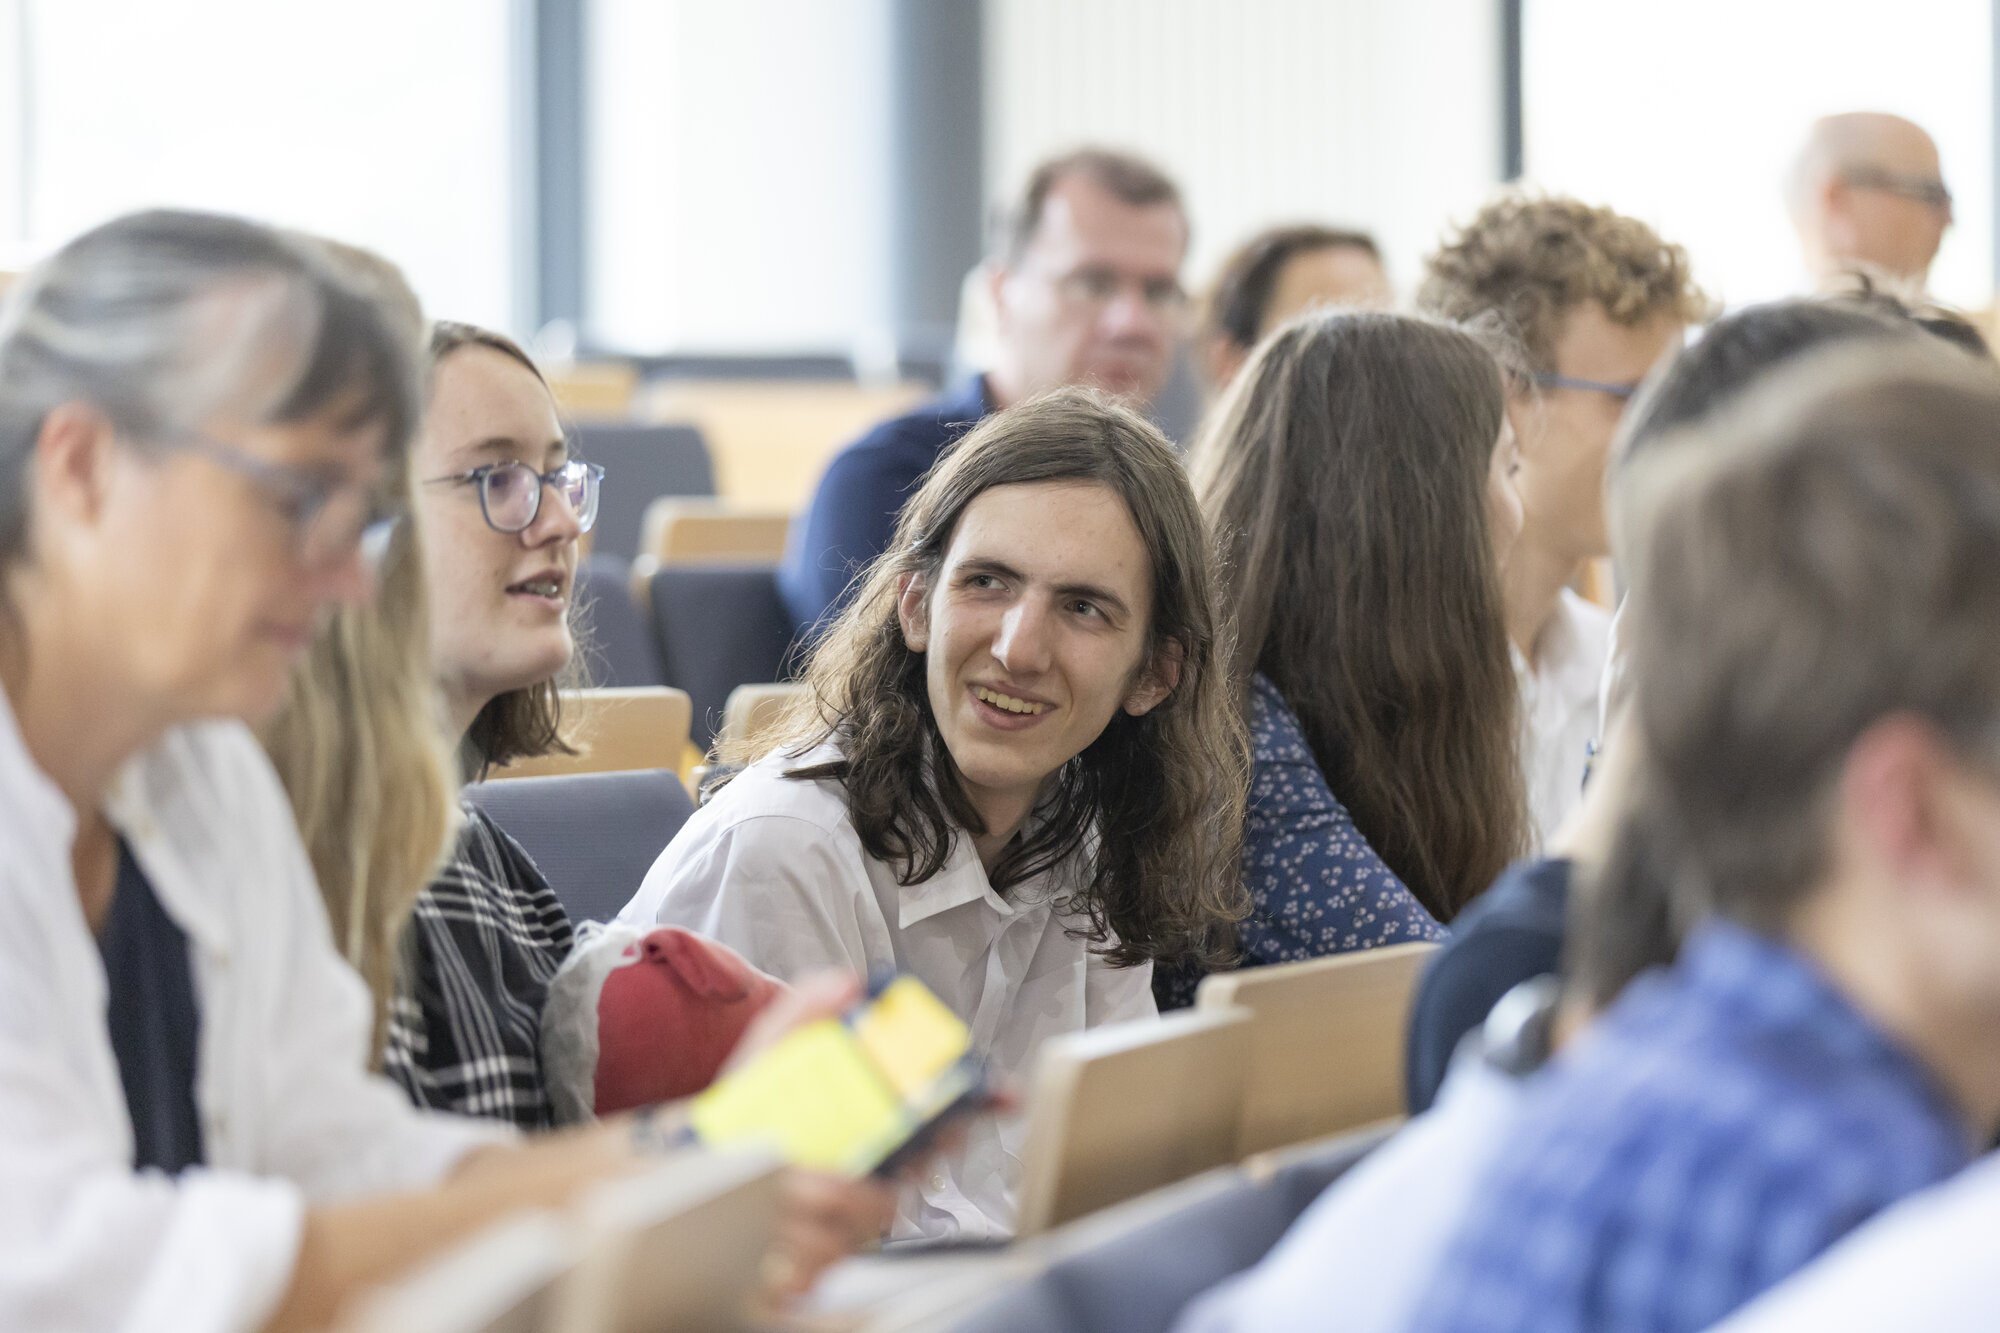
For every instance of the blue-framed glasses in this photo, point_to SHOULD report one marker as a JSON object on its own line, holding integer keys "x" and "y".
{"x": 330, "y": 516}
{"x": 510, "y": 494}
{"x": 1548, "y": 379}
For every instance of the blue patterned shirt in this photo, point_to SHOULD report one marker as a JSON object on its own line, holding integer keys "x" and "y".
{"x": 1316, "y": 886}
{"x": 1722, "y": 1124}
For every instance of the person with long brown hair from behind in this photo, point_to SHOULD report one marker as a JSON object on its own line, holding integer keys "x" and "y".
{"x": 1358, "y": 474}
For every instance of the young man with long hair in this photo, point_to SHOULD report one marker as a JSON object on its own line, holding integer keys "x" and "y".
{"x": 1019, "y": 775}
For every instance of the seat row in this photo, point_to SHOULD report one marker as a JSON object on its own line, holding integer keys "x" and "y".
{"x": 1161, "y": 1157}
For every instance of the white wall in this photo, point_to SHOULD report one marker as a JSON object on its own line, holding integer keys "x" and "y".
{"x": 1688, "y": 115}
{"x": 1382, "y": 114}
{"x": 739, "y": 174}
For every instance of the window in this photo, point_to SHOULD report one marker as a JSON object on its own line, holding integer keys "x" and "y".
{"x": 1688, "y": 115}
{"x": 381, "y": 122}
{"x": 739, "y": 175}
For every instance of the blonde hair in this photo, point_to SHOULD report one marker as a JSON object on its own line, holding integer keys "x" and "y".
{"x": 360, "y": 745}
{"x": 360, "y": 742}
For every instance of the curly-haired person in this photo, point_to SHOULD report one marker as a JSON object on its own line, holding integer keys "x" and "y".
{"x": 1589, "y": 301}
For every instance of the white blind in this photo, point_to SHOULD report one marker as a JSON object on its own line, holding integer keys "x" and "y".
{"x": 1381, "y": 114}
{"x": 380, "y": 122}
{"x": 1688, "y": 114}
{"x": 739, "y": 174}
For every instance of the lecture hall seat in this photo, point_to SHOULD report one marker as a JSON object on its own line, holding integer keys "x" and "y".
{"x": 594, "y": 835}
{"x": 718, "y": 627}
{"x": 618, "y": 647}
{"x": 641, "y": 464}
{"x": 1326, "y": 1040}
{"x": 1135, "y": 1267}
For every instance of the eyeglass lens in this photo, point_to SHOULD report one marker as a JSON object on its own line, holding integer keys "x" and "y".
{"x": 512, "y": 494}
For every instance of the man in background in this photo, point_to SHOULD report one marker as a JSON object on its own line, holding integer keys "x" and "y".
{"x": 1592, "y": 300}
{"x": 1869, "y": 200}
{"x": 1278, "y": 275}
{"x": 1086, "y": 290}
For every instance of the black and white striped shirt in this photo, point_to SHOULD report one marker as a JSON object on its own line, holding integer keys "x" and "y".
{"x": 483, "y": 941}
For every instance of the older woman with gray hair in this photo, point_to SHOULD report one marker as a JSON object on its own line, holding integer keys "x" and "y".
{"x": 201, "y": 426}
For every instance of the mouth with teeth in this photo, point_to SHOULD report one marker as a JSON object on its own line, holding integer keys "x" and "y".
{"x": 1007, "y": 703}
{"x": 549, "y": 588}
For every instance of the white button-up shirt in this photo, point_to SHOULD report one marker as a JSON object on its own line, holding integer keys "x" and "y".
{"x": 773, "y": 868}
{"x": 289, "y": 1114}
{"x": 1559, "y": 713}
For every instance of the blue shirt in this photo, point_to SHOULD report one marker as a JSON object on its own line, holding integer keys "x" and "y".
{"x": 1508, "y": 934}
{"x": 853, "y": 513}
{"x": 1722, "y": 1124}
{"x": 1316, "y": 886}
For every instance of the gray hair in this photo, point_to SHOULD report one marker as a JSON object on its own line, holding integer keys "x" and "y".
{"x": 162, "y": 319}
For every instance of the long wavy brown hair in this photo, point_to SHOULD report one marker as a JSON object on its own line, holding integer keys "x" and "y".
{"x": 1346, "y": 474}
{"x": 1147, "y": 822}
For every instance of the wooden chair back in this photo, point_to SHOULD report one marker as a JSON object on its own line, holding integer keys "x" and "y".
{"x": 614, "y": 730}
{"x": 1325, "y": 1041}
{"x": 504, "y": 1279}
{"x": 594, "y": 390}
{"x": 752, "y": 708}
{"x": 681, "y": 1247}
{"x": 770, "y": 439}
{"x": 679, "y": 530}
{"x": 1119, "y": 1110}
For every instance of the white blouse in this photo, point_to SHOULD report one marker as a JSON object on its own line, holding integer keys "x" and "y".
{"x": 289, "y": 1114}
{"x": 773, "y": 868}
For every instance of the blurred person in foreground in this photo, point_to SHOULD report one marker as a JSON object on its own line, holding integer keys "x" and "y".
{"x": 203, "y": 438}
{"x": 1594, "y": 300}
{"x": 1086, "y": 290}
{"x": 1869, "y": 202}
{"x": 1817, "y": 730}
{"x": 1278, "y": 275}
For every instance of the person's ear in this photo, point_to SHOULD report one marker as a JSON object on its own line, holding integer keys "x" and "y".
{"x": 1895, "y": 796}
{"x": 914, "y": 612}
{"x": 996, "y": 292}
{"x": 73, "y": 457}
{"x": 1161, "y": 676}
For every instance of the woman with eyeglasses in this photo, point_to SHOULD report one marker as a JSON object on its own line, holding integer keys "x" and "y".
{"x": 501, "y": 504}
{"x": 199, "y": 418}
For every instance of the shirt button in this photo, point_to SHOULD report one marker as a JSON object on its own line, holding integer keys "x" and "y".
{"x": 937, "y": 1183}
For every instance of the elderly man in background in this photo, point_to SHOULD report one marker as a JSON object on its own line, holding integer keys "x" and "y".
{"x": 1086, "y": 290}
{"x": 1869, "y": 200}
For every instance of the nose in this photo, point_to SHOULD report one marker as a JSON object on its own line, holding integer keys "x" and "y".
{"x": 1025, "y": 643}
{"x": 1129, "y": 315}
{"x": 555, "y": 522}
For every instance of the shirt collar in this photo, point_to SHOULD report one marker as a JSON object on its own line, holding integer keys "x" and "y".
{"x": 963, "y": 880}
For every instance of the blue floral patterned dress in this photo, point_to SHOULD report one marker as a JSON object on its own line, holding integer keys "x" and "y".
{"x": 1316, "y": 886}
